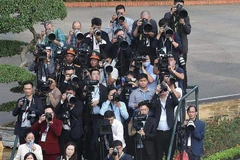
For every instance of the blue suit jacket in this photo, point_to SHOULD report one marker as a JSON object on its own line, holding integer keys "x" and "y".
{"x": 197, "y": 138}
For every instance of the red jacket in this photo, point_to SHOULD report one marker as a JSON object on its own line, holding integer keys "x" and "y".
{"x": 50, "y": 146}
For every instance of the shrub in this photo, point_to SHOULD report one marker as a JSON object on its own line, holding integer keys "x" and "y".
{"x": 10, "y": 48}
{"x": 9, "y": 73}
{"x": 229, "y": 154}
{"x": 221, "y": 135}
{"x": 8, "y": 106}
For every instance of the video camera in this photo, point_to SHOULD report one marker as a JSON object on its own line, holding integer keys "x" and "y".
{"x": 116, "y": 97}
{"x": 44, "y": 87}
{"x": 65, "y": 117}
{"x": 139, "y": 60}
{"x": 139, "y": 120}
{"x": 90, "y": 88}
{"x": 105, "y": 127}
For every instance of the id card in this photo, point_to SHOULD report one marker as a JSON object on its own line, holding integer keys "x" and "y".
{"x": 43, "y": 138}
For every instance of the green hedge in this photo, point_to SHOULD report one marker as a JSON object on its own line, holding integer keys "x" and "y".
{"x": 9, "y": 73}
{"x": 229, "y": 154}
{"x": 221, "y": 135}
{"x": 10, "y": 48}
{"x": 107, "y": 0}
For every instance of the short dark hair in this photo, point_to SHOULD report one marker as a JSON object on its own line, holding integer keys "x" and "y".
{"x": 191, "y": 107}
{"x": 109, "y": 114}
{"x": 117, "y": 30}
{"x": 131, "y": 73}
{"x": 92, "y": 70}
{"x": 28, "y": 154}
{"x": 144, "y": 103}
{"x": 162, "y": 22}
{"x": 48, "y": 106}
{"x": 68, "y": 68}
{"x": 117, "y": 143}
{"x": 30, "y": 132}
{"x": 96, "y": 21}
{"x": 27, "y": 82}
{"x": 142, "y": 75}
{"x": 120, "y": 6}
{"x": 70, "y": 87}
{"x": 111, "y": 88}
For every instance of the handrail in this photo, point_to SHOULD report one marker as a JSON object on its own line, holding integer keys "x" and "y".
{"x": 14, "y": 147}
{"x": 193, "y": 89}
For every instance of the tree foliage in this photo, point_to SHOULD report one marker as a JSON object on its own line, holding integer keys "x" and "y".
{"x": 19, "y": 15}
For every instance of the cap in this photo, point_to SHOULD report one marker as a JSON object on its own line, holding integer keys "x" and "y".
{"x": 48, "y": 48}
{"x": 71, "y": 50}
{"x": 95, "y": 55}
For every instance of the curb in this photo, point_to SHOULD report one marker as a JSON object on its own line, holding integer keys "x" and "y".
{"x": 148, "y": 3}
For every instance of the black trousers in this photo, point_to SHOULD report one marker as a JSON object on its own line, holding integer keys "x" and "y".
{"x": 163, "y": 142}
{"x": 191, "y": 156}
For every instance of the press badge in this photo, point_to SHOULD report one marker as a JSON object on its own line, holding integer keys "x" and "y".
{"x": 44, "y": 136}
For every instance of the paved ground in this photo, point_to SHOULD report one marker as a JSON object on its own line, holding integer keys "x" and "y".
{"x": 213, "y": 62}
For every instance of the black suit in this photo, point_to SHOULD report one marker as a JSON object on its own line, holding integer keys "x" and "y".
{"x": 36, "y": 106}
{"x": 76, "y": 124}
{"x": 123, "y": 157}
{"x": 163, "y": 137}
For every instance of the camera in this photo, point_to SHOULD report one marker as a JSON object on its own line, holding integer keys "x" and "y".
{"x": 44, "y": 87}
{"x": 139, "y": 60}
{"x": 115, "y": 152}
{"x": 163, "y": 87}
{"x": 65, "y": 117}
{"x": 123, "y": 44}
{"x": 71, "y": 99}
{"x": 97, "y": 32}
{"x": 163, "y": 61}
{"x": 182, "y": 13}
{"x": 108, "y": 68}
{"x": 48, "y": 117}
{"x": 146, "y": 26}
{"x": 31, "y": 117}
{"x": 190, "y": 126}
{"x": 172, "y": 79}
{"x": 120, "y": 17}
{"x": 25, "y": 103}
{"x": 104, "y": 126}
{"x": 139, "y": 121}
{"x": 168, "y": 32}
{"x": 74, "y": 79}
{"x": 51, "y": 36}
{"x": 116, "y": 97}
{"x": 79, "y": 35}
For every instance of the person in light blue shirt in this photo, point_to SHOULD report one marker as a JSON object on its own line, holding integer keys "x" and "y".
{"x": 120, "y": 21}
{"x": 119, "y": 108}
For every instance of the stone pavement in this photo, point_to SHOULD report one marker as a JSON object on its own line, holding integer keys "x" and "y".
{"x": 213, "y": 59}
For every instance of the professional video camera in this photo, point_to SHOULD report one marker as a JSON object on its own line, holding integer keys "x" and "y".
{"x": 120, "y": 17}
{"x": 105, "y": 127}
{"x": 163, "y": 61}
{"x": 44, "y": 88}
{"x": 123, "y": 44}
{"x": 146, "y": 26}
{"x": 139, "y": 120}
{"x": 90, "y": 88}
{"x": 139, "y": 60}
{"x": 51, "y": 36}
{"x": 59, "y": 54}
{"x": 97, "y": 32}
{"x": 71, "y": 99}
{"x": 181, "y": 12}
{"x": 31, "y": 116}
{"x": 82, "y": 57}
{"x": 48, "y": 117}
{"x": 79, "y": 35}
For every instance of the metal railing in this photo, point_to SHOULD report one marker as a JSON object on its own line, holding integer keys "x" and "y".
{"x": 193, "y": 89}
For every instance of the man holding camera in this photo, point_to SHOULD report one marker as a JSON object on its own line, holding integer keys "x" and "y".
{"x": 42, "y": 64}
{"x": 140, "y": 94}
{"x": 49, "y": 129}
{"x": 116, "y": 152}
{"x": 120, "y": 51}
{"x": 114, "y": 104}
{"x": 70, "y": 111}
{"x": 180, "y": 22}
{"x": 164, "y": 102}
{"x": 144, "y": 31}
{"x": 144, "y": 131}
{"x": 96, "y": 39}
{"x": 75, "y": 36}
{"x": 28, "y": 109}
{"x": 195, "y": 133}
{"x": 120, "y": 21}
{"x": 54, "y": 37}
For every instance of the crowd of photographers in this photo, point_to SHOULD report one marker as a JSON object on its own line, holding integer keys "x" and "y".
{"x": 112, "y": 93}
